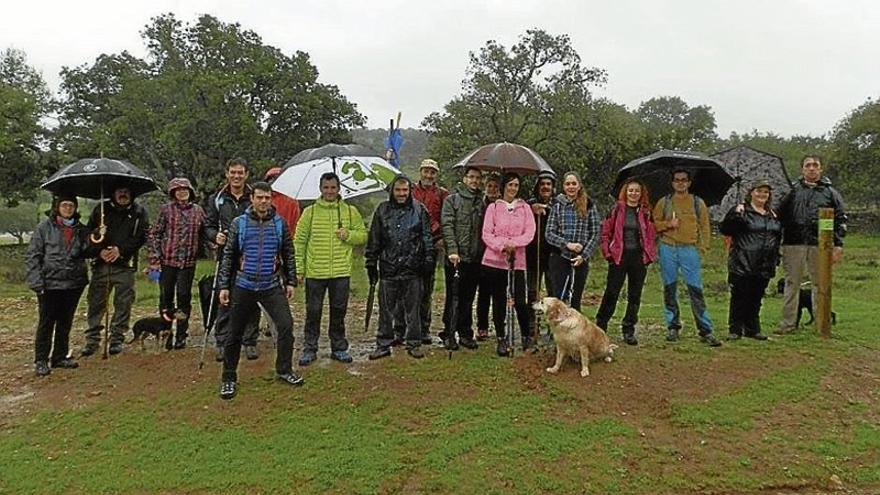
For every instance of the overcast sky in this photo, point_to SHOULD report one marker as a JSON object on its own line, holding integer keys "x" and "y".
{"x": 788, "y": 66}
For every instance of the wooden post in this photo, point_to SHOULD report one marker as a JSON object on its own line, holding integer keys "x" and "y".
{"x": 823, "y": 285}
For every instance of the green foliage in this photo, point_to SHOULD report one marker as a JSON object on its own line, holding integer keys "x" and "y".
{"x": 207, "y": 92}
{"x": 672, "y": 124}
{"x": 19, "y": 220}
{"x": 856, "y": 145}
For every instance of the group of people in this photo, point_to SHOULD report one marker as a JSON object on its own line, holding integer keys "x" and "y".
{"x": 495, "y": 242}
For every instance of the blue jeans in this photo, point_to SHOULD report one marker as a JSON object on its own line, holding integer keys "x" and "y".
{"x": 684, "y": 259}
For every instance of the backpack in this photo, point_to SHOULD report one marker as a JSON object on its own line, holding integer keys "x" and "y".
{"x": 667, "y": 209}
{"x": 242, "y": 227}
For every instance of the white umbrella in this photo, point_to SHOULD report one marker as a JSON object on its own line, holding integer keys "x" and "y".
{"x": 358, "y": 175}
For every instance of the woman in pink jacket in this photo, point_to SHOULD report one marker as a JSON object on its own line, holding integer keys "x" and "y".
{"x": 627, "y": 241}
{"x": 508, "y": 227}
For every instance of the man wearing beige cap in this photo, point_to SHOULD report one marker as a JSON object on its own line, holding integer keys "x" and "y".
{"x": 432, "y": 195}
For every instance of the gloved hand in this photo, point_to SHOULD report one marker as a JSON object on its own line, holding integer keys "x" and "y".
{"x": 373, "y": 274}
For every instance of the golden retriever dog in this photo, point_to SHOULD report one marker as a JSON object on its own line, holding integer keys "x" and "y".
{"x": 575, "y": 335}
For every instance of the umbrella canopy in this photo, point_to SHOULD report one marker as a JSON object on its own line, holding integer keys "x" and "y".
{"x": 362, "y": 172}
{"x": 98, "y": 177}
{"x": 505, "y": 157}
{"x": 746, "y": 164}
{"x": 709, "y": 179}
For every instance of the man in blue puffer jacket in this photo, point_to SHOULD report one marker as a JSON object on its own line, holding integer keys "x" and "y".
{"x": 257, "y": 267}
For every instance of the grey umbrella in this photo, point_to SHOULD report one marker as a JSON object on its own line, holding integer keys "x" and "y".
{"x": 505, "y": 157}
{"x": 709, "y": 179}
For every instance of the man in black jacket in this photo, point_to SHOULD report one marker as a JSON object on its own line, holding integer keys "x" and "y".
{"x": 799, "y": 214}
{"x": 399, "y": 251}
{"x": 115, "y": 263}
{"x": 257, "y": 267}
{"x": 223, "y": 206}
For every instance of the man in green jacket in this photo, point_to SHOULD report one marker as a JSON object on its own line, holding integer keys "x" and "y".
{"x": 325, "y": 235}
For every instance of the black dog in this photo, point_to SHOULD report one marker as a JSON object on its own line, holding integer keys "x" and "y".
{"x": 206, "y": 289}
{"x": 158, "y": 326}
{"x": 805, "y": 302}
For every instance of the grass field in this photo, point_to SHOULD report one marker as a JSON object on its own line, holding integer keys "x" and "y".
{"x": 795, "y": 414}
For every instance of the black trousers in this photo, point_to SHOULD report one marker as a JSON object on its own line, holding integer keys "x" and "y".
{"x": 243, "y": 306}
{"x": 633, "y": 270}
{"x": 469, "y": 278}
{"x": 177, "y": 283}
{"x": 484, "y": 300}
{"x": 56, "y": 308}
{"x": 427, "y": 294}
{"x": 746, "y": 293}
{"x": 560, "y": 271}
{"x": 497, "y": 279}
{"x": 532, "y": 283}
{"x": 338, "y": 290}
{"x": 399, "y": 300}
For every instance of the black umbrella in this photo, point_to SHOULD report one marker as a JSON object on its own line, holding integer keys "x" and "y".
{"x": 97, "y": 178}
{"x": 709, "y": 180}
{"x": 505, "y": 157}
{"x": 331, "y": 150}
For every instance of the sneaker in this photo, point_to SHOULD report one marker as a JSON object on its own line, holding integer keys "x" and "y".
{"x": 228, "y": 390}
{"x": 115, "y": 348}
{"x": 733, "y": 336}
{"x": 482, "y": 334}
{"x": 41, "y": 368}
{"x": 672, "y": 335}
{"x": 341, "y": 356}
{"x": 468, "y": 343}
{"x": 307, "y": 358}
{"x": 379, "y": 353}
{"x": 501, "y": 348}
{"x": 218, "y": 354}
{"x": 710, "y": 339}
{"x": 66, "y": 363}
{"x": 251, "y": 352}
{"x": 290, "y": 378}
{"x": 415, "y": 352}
{"x": 757, "y": 336}
{"x": 450, "y": 344}
{"x": 630, "y": 339}
{"x": 89, "y": 349}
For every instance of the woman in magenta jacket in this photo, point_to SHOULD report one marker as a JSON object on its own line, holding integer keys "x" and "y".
{"x": 508, "y": 227}
{"x": 627, "y": 241}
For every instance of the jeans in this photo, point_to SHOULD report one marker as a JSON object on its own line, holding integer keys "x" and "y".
{"x": 633, "y": 270}
{"x": 56, "y": 308}
{"x": 338, "y": 290}
{"x": 561, "y": 272}
{"x": 684, "y": 259}
{"x": 242, "y": 308}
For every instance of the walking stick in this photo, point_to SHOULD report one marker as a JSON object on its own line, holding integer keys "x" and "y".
{"x": 211, "y": 308}
{"x": 508, "y": 323}
{"x": 453, "y": 313}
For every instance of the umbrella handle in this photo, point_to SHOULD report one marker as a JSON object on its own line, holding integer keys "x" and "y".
{"x": 102, "y": 228}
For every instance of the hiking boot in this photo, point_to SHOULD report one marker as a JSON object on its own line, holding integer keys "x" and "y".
{"x": 501, "y": 348}
{"x": 89, "y": 349}
{"x": 307, "y": 358}
{"x": 251, "y": 352}
{"x": 398, "y": 340}
{"x": 290, "y": 378}
{"x": 218, "y": 354}
{"x": 450, "y": 344}
{"x": 757, "y": 336}
{"x": 66, "y": 363}
{"x": 379, "y": 353}
{"x": 415, "y": 352}
{"x": 41, "y": 368}
{"x": 672, "y": 335}
{"x": 115, "y": 348}
{"x": 482, "y": 334}
{"x": 228, "y": 390}
{"x": 341, "y": 356}
{"x": 528, "y": 344}
{"x": 427, "y": 340}
{"x": 180, "y": 344}
{"x": 733, "y": 336}
{"x": 468, "y": 343}
{"x": 710, "y": 339}
{"x": 630, "y": 339}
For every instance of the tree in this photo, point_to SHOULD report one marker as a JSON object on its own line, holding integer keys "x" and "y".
{"x": 24, "y": 101}
{"x": 17, "y": 221}
{"x": 522, "y": 95}
{"x": 207, "y": 92}
{"x": 670, "y": 123}
{"x": 856, "y": 153}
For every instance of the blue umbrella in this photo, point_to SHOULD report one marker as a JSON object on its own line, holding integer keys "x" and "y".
{"x": 393, "y": 143}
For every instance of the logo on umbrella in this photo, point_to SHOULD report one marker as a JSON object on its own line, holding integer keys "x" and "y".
{"x": 90, "y": 167}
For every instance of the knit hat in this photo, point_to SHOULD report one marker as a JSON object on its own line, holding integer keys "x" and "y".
{"x": 428, "y": 163}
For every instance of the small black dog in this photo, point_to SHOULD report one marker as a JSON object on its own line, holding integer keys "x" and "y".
{"x": 158, "y": 326}
{"x": 805, "y": 302}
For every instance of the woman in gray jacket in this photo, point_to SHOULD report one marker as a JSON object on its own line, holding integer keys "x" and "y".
{"x": 56, "y": 271}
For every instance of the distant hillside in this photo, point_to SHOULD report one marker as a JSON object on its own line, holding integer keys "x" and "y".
{"x": 415, "y": 144}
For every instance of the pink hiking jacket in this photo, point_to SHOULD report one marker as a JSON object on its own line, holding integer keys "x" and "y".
{"x": 503, "y": 226}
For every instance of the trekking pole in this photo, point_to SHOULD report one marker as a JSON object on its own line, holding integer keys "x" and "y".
{"x": 106, "y": 353}
{"x": 453, "y": 313}
{"x": 508, "y": 324}
{"x": 211, "y": 309}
